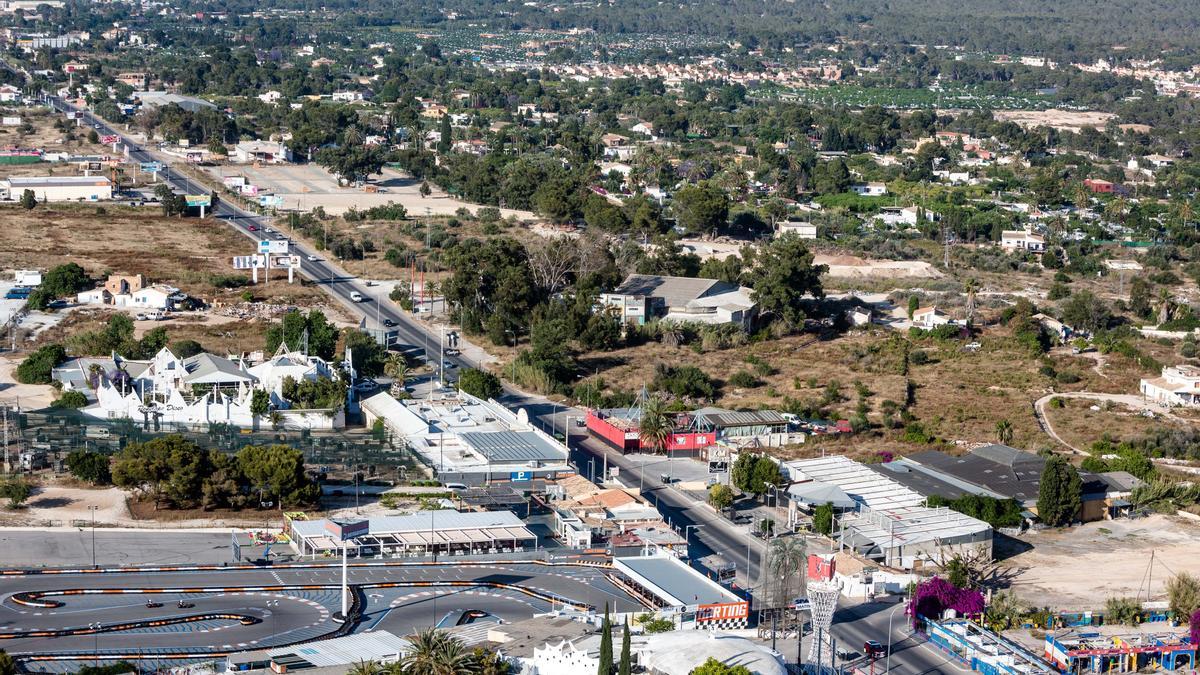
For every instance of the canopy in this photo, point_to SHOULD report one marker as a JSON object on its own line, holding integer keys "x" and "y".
{"x": 817, "y": 493}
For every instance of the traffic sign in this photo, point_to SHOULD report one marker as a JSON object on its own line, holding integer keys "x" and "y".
{"x": 520, "y": 476}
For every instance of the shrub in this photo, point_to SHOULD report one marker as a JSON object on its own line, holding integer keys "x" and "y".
{"x": 744, "y": 379}
{"x": 36, "y": 367}
{"x": 918, "y": 357}
{"x": 480, "y": 383}
{"x": 70, "y": 399}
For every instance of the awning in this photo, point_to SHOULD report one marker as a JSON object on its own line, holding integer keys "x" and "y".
{"x": 817, "y": 493}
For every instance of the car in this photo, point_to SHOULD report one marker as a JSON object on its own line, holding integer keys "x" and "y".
{"x": 743, "y": 519}
{"x": 389, "y": 323}
{"x": 452, "y": 352}
{"x": 269, "y": 231}
{"x": 141, "y": 317}
{"x": 252, "y": 228}
{"x": 97, "y": 125}
{"x": 844, "y": 654}
{"x": 448, "y": 365}
{"x": 355, "y": 296}
{"x": 874, "y": 649}
{"x": 311, "y": 258}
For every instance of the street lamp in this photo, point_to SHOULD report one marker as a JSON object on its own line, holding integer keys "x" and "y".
{"x": 95, "y": 628}
{"x": 272, "y": 606}
{"x": 887, "y": 668}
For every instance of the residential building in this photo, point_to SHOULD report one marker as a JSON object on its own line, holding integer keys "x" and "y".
{"x": 1178, "y": 385}
{"x": 870, "y": 189}
{"x": 58, "y": 188}
{"x": 9, "y": 94}
{"x": 800, "y": 228}
{"x": 641, "y": 298}
{"x": 929, "y": 318}
{"x": 1099, "y": 186}
{"x": 348, "y": 96}
{"x": 1022, "y": 240}
{"x": 137, "y": 80}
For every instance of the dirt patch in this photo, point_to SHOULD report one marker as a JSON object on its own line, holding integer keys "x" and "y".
{"x": 1079, "y": 568}
{"x": 848, "y": 266}
{"x": 1080, "y": 422}
{"x": 1063, "y": 120}
{"x": 57, "y": 505}
{"x": 28, "y": 396}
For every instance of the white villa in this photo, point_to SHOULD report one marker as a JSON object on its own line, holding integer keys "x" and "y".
{"x": 1179, "y": 385}
{"x": 1022, "y": 240}
{"x": 198, "y": 390}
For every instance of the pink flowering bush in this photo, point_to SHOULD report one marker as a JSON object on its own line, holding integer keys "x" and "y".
{"x": 1195, "y": 625}
{"x": 935, "y": 596}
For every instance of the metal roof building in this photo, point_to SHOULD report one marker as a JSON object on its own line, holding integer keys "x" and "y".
{"x": 445, "y": 531}
{"x": 665, "y": 581}
{"x": 890, "y": 522}
{"x": 379, "y": 646}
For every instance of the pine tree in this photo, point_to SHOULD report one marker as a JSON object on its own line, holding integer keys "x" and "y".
{"x": 606, "y": 650}
{"x": 626, "y": 665}
{"x": 1059, "y": 492}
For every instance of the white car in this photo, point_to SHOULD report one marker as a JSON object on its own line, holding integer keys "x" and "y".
{"x": 312, "y": 258}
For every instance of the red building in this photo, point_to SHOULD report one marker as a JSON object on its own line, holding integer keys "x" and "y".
{"x": 619, "y": 428}
{"x": 1099, "y": 186}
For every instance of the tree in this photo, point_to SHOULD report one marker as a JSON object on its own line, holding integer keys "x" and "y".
{"x": 445, "y": 135}
{"x": 1125, "y": 611}
{"x": 37, "y": 367}
{"x": 720, "y": 496}
{"x": 216, "y": 147}
{"x": 1183, "y": 594}
{"x": 90, "y": 466}
{"x": 321, "y": 335}
{"x": 28, "y": 200}
{"x": 701, "y": 208}
{"x": 766, "y": 474}
{"x": 396, "y": 368}
{"x": 626, "y": 665}
{"x": 1059, "y": 494}
{"x": 656, "y": 425}
{"x": 277, "y": 471}
{"x": 743, "y": 471}
{"x": 365, "y": 668}
{"x": 1141, "y": 298}
{"x": 479, "y": 383}
{"x": 605, "y": 666}
{"x": 352, "y": 163}
{"x": 16, "y": 491}
{"x": 1004, "y": 432}
{"x": 366, "y": 354}
{"x": 1084, "y": 311}
{"x": 8, "y": 665}
{"x": 823, "y": 519}
{"x": 914, "y": 303}
{"x": 715, "y": 667}
{"x": 782, "y": 275}
{"x": 70, "y": 399}
{"x": 260, "y": 402}
{"x": 433, "y": 652}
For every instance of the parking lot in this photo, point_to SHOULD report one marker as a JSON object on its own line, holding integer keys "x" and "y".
{"x": 304, "y": 187}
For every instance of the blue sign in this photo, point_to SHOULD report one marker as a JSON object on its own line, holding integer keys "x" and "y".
{"x": 151, "y": 167}
{"x": 520, "y": 476}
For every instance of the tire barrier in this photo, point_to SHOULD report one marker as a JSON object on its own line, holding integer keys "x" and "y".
{"x": 291, "y": 566}
{"x": 39, "y": 598}
{"x": 243, "y": 619}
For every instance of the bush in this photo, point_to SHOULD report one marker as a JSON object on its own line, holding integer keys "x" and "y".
{"x": 1067, "y": 377}
{"x": 70, "y": 399}
{"x": 744, "y": 380}
{"x": 683, "y": 381}
{"x": 480, "y": 383}
{"x": 36, "y": 367}
{"x": 918, "y": 357}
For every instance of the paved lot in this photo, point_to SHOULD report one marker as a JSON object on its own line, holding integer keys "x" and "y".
{"x": 69, "y": 547}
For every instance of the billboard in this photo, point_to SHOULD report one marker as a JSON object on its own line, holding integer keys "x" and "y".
{"x": 195, "y": 157}
{"x": 109, "y": 139}
{"x": 198, "y": 200}
{"x": 283, "y": 262}
{"x": 273, "y": 246}
{"x": 151, "y": 167}
{"x": 246, "y": 262}
{"x": 94, "y": 166}
{"x": 70, "y": 115}
{"x": 725, "y": 611}
{"x": 250, "y": 190}
{"x": 344, "y": 531}
{"x": 233, "y": 182}
{"x": 270, "y": 200}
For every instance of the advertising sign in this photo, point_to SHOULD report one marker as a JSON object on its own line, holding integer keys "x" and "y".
{"x": 270, "y": 200}
{"x": 283, "y": 262}
{"x": 723, "y": 611}
{"x": 250, "y": 190}
{"x": 273, "y": 246}
{"x": 109, "y": 139}
{"x": 94, "y": 166}
{"x": 247, "y": 262}
{"x": 70, "y": 115}
{"x": 195, "y": 157}
{"x": 198, "y": 200}
{"x": 233, "y": 182}
{"x": 151, "y": 167}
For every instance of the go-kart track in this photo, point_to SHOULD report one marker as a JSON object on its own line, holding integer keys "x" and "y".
{"x": 57, "y": 620}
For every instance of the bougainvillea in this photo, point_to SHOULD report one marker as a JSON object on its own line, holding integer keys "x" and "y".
{"x": 1195, "y": 625}
{"x": 935, "y": 596}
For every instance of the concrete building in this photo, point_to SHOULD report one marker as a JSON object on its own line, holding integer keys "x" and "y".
{"x": 471, "y": 441}
{"x": 58, "y": 188}
{"x": 1022, "y": 240}
{"x": 446, "y": 532}
{"x": 642, "y": 297}
{"x": 156, "y": 99}
{"x": 671, "y": 653}
{"x": 668, "y": 583}
{"x": 800, "y": 228}
{"x": 1178, "y": 385}
{"x": 268, "y": 152}
{"x": 929, "y": 318}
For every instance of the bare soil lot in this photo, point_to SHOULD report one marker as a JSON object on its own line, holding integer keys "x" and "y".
{"x": 1063, "y": 120}
{"x": 307, "y": 186}
{"x": 1080, "y": 567}
{"x": 45, "y": 137}
{"x": 853, "y": 267}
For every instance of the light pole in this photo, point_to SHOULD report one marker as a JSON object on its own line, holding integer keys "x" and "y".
{"x": 887, "y": 668}
{"x": 93, "y": 510}
{"x": 273, "y": 606}
{"x": 95, "y": 628}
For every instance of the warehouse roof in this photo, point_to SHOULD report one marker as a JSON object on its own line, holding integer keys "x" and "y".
{"x": 512, "y": 446}
{"x": 721, "y": 418}
{"x": 674, "y": 291}
{"x": 57, "y": 181}
{"x": 861, "y": 483}
{"x": 378, "y": 645}
{"x": 673, "y": 580}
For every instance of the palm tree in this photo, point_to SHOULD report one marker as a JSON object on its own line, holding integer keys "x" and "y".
{"x": 352, "y": 135}
{"x": 1004, "y": 431}
{"x": 365, "y": 668}
{"x": 396, "y": 368}
{"x": 971, "y": 287}
{"x": 436, "y": 653}
{"x": 655, "y": 426}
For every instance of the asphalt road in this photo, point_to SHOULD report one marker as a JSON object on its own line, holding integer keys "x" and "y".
{"x": 279, "y": 611}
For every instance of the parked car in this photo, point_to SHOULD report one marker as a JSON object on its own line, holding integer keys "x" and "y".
{"x": 874, "y": 649}
{"x": 389, "y": 323}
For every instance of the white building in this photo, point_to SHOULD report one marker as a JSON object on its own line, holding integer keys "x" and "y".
{"x": 1178, "y": 385}
{"x": 870, "y": 189}
{"x": 347, "y": 96}
{"x": 800, "y": 228}
{"x": 271, "y": 97}
{"x": 670, "y": 653}
{"x": 471, "y": 441}
{"x": 10, "y": 94}
{"x": 930, "y": 317}
{"x": 270, "y": 152}
{"x": 1022, "y": 240}
{"x": 58, "y": 188}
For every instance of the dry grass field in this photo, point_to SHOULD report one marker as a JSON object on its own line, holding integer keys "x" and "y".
{"x": 45, "y": 137}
